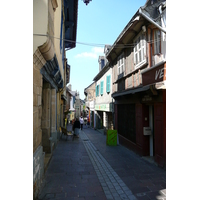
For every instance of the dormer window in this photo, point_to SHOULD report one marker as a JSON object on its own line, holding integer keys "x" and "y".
{"x": 102, "y": 63}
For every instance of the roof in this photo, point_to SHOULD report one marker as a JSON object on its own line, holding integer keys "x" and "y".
{"x": 89, "y": 86}
{"x": 131, "y": 30}
{"x": 151, "y": 9}
{"x": 73, "y": 93}
{"x": 102, "y": 72}
{"x": 130, "y": 91}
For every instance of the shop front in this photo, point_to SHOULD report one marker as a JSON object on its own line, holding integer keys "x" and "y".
{"x": 155, "y": 77}
{"x": 140, "y": 118}
{"x": 104, "y": 117}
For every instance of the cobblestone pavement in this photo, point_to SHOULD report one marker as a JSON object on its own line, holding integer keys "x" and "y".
{"x": 113, "y": 186}
{"x": 87, "y": 168}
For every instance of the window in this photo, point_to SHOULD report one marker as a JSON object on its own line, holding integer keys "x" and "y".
{"x": 108, "y": 83}
{"x": 157, "y": 42}
{"x": 139, "y": 51}
{"x": 120, "y": 63}
{"x": 97, "y": 90}
{"x": 102, "y": 63}
{"x": 101, "y": 87}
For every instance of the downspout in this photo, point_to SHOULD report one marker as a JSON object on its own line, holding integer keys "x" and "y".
{"x": 149, "y": 35}
{"x": 163, "y": 24}
{"x": 162, "y": 19}
{"x": 150, "y": 20}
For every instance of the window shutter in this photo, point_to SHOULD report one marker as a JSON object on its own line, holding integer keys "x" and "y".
{"x": 97, "y": 90}
{"x": 108, "y": 84}
{"x": 101, "y": 87}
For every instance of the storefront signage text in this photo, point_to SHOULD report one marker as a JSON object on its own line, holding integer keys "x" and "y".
{"x": 159, "y": 74}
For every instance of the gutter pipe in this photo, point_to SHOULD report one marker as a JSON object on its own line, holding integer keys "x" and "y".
{"x": 162, "y": 19}
{"x": 150, "y": 20}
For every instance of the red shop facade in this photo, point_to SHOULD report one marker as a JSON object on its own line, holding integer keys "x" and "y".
{"x": 140, "y": 115}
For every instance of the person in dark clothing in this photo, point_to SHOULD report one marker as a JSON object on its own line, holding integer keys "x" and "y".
{"x": 76, "y": 127}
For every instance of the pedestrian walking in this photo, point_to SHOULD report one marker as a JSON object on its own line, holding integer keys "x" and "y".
{"x": 76, "y": 127}
{"x": 81, "y": 122}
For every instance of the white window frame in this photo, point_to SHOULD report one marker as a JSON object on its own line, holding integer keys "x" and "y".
{"x": 120, "y": 64}
{"x": 157, "y": 41}
{"x": 139, "y": 50}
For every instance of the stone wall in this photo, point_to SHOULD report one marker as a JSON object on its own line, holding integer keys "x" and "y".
{"x": 38, "y": 154}
{"x": 38, "y": 62}
{"x": 38, "y": 169}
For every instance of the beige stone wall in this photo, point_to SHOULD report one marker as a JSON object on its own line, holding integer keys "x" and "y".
{"x": 40, "y": 22}
{"x": 53, "y": 110}
{"x": 58, "y": 111}
{"x": 52, "y": 27}
{"x": 38, "y": 62}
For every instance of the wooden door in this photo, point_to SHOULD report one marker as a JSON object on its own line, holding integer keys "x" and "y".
{"x": 160, "y": 133}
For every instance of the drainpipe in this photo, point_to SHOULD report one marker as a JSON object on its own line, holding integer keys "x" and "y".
{"x": 149, "y": 35}
{"x": 150, "y": 20}
{"x": 162, "y": 19}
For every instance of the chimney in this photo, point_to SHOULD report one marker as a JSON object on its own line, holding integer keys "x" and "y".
{"x": 70, "y": 87}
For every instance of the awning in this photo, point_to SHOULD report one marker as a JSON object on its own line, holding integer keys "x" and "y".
{"x": 132, "y": 91}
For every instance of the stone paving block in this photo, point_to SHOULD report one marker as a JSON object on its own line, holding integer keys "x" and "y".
{"x": 123, "y": 196}
{"x": 97, "y": 170}
{"x": 128, "y": 192}
{"x": 132, "y": 197}
{"x": 120, "y": 192}
{"x": 109, "y": 197}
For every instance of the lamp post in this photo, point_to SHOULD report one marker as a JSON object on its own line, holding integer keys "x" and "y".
{"x": 86, "y": 1}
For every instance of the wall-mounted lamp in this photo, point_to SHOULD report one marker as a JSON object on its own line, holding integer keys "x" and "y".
{"x": 86, "y": 1}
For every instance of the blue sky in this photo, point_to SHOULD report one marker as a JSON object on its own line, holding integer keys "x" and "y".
{"x": 99, "y": 23}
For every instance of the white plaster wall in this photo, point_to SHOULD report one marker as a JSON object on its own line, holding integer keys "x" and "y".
{"x": 106, "y": 97}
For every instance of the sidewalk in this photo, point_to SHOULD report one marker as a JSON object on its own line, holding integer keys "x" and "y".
{"x": 87, "y": 168}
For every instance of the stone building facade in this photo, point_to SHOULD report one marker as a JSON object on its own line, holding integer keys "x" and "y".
{"x": 50, "y": 76}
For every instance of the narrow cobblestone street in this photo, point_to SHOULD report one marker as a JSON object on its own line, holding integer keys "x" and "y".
{"x": 87, "y": 168}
